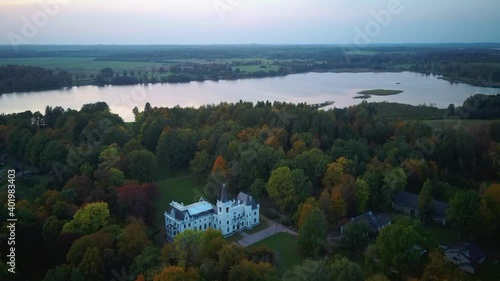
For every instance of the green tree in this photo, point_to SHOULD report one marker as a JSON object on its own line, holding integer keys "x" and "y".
{"x": 377, "y": 277}
{"x": 35, "y": 147}
{"x": 425, "y": 201}
{"x": 343, "y": 269}
{"x": 50, "y": 232}
{"x": 146, "y": 262}
{"x": 176, "y": 147}
{"x": 110, "y": 157}
{"x": 54, "y": 152}
{"x": 281, "y": 187}
{"x": 257, "y": 188}
{"x": 313, "y": 162}
{"x": 312, "y": 233}
{"x": 92, "y": 265}
{"x": 333, "y": 269}
{"x": 89, "y": 219}
{"x": 317, "y": 270}
{"x": 464, "y": 211}
{"x": 399, "y": 245}
{"x": 394, "y": 181}
{"x": 201, "y": 163}
{"x": 141, "y": 165}
{"x": 361, "y": 195}
{"x": 355, "y": 236}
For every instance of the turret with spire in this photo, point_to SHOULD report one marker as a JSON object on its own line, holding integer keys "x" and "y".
{"x": 223, "y": 194}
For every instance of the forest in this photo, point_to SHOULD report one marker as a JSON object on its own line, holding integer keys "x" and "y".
{"x": 475, "y": 64}
{"x": 87, "y": 208}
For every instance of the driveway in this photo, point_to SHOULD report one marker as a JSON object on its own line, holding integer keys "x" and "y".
{"x": 272, "y": 229}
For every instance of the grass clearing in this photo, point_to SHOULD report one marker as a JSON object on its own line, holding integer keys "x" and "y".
{"x": 176, "y": 185}
{"x": 443, "y": 235}
{"x": 262, "y": 225}
{"x": 286, "y": 249}
{"x": 235, "y": 237}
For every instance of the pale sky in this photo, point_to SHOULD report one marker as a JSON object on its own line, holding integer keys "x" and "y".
{"x": 247, "y": 21}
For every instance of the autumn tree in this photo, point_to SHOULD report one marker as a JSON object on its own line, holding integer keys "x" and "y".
{"x": 325, "y": 204}
{"x": 439, "y": 268}
{"x": 334, "y": 172}
{"x": 82, "y": 185}
{"x": 338, "y": 207}
{"x": 177, "y": 273}
{"x": 89, "y": 219}
{"x": 251, "y": 271}
{"x": 132, "y": 240}
{"x": 137, "y": 200}
{"x": 304, "y": 210}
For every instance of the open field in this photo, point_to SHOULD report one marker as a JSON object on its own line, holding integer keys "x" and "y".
{"x": 81, "y": 64}
{"x": 286, "y": 249}
{"x": 256, "y": 67}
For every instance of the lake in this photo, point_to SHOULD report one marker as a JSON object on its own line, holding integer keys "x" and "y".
{"x": 310, "y": 87}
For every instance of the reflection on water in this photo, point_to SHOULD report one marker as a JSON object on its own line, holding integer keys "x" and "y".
{"x": 311, "y": 88}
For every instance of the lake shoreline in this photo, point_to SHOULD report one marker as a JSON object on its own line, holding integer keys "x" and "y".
{"x": 310, "y": 88}
{"x": 344, "y": 70}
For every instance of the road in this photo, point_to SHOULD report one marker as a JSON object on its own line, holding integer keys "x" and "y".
{"x": 273, "y": 228}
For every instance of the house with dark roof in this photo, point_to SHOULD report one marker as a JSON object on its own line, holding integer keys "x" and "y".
{"x": 408, "y": 203}
{"x": 467, "y": 256}
{"x": 374, "y": 221}
{"x": 228, "y": 215}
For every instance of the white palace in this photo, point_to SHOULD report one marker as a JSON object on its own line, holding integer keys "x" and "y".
{"x": 229, "y": 215}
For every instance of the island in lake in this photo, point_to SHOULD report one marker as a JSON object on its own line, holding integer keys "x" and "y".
{"x": 376, "y": 92}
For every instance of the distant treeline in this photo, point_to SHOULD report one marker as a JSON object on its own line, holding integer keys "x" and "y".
{"x": 19, "y": 78}
{"x": 475, "y": 64}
